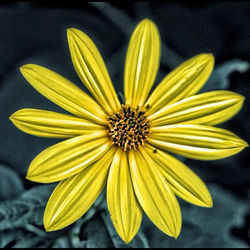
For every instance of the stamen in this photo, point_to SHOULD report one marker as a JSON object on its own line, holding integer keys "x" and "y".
{"x": 128, "y": 128}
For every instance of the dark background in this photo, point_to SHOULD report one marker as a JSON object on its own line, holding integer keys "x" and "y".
{"x": 35, "y": 32}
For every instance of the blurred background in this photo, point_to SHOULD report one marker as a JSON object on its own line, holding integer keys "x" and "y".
{"x": 35, "y": 32}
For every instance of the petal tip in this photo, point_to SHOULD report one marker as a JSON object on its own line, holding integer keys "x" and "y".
{"x": 146, "y": 22}
{"x": 211, "y": 58}
{"x": 242, "y": 98}
{"x": 48, "y": 228}
{"x": 127, "y": 240}
{"x": 208, "y": 203}
{"x": 26, "y": 67}
{"x": 23, "y": 68}
{"x": 242, "y": 143}
{"x": 29, "y": 176}
{"x": 48, "y": 225}
{"x": 12, "y": 117}
{"x": 238, "y": 98}
{"x": 175, "y": 230}
{"x": 70, "y": 31}
{"x": 176, "y": 233}
{"x": 208, "y": 58}
{"x": 39, "y": 178}
{"x": 176, "y": 236}
{"x": 246, "y": 145}
{"x": 126, "y": 237}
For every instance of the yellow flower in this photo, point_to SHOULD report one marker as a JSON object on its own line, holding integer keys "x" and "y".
{"x": 125, "y": 146}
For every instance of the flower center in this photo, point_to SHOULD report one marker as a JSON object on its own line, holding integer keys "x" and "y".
{"x": 128, "y": 128}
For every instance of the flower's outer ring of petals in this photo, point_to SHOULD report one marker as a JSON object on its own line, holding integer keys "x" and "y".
{"x": 142, "y": 63}
{"x": 68, "y": 157}
{"x": 196, "y": 141}
{"x": 184, "y": 81}
{"x": 52, "y": 124}
{"x": 74, "y": 196}
{"x": 91, "y": 69}
{"x": 63, "y": 92}
{"x": 183, "y": 181}
{"x": 154, "y": 194}
{"x": 208, "y": 108}
{"x": 124, "y": 208}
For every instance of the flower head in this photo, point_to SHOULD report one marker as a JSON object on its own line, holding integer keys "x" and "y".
{"x": 126, "y": 146}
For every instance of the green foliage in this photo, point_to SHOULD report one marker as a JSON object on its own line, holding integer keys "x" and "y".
{"x": 28, "y": 208}
{"x": 10, "y": 183}
{"x": 220, "y": 78}
{"x": 21, "y": 225}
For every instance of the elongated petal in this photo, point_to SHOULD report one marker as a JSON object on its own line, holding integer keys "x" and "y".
{"x": 154, "y": 194}
{"x": 74, "y": 196}
{"x": 125, "y": 211}
{"x": 142, "y": 62}
{"x": 91, "y": 69}
{"x": 52, "y": 124}
{"x": 183, "y": 181}
{"x": 63, "y": 92}
{"x": 209, "y": 108}
{"x": 67, "y": 158}
{"x": 184, "y": 81}
{"x": 197, "y": 141}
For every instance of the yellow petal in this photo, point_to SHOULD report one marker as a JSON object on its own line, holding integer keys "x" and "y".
{"x": 183, "y": 181}
{"x": 125, "y": 211}
{"x": 209, "y": 108}
{"x": 51, "y": 124}
{"x": 197, "y": 141}
{"x": 186, "y": 80}
{"x": 63, "y": 92}
{"x": 91, "y": 69}
{"x": 155, "y": 196}
{"x": 142, "y": 62}
{"x": 74, "y": 196}
{"x": 67, "y": 158}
